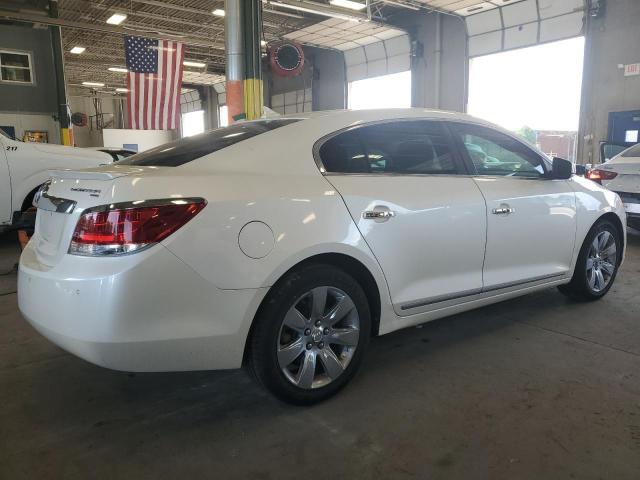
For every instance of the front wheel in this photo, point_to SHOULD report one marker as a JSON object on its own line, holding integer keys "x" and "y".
{"x": 597, "y": 264}
{"x": 310, "y": 336}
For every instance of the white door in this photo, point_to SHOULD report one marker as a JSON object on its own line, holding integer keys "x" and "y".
{"x": 531, "y": 219}
{"x": 5, "y": 182}
{"x": 423, "y": 220}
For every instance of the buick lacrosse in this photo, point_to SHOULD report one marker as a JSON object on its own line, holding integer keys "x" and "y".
{"x": 285, "y": 244}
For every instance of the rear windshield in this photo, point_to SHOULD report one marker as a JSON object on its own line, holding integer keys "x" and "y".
{"x": 632, "y": 152}
{"x": 188, "y": 149}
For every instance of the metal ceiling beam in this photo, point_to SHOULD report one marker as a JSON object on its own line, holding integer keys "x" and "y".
{"x": 32, "y": 18}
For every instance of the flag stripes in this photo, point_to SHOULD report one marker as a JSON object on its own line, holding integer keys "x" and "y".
{"x": 154, "y": 83}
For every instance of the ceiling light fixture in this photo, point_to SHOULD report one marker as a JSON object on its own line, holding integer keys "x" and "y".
{"x": 116, "y": 19}
{"x": 323, "y": 12}
{"x": 118, "y": 69}
{"x": 122, "y": 90}
{"x": 350, "y": 4}
{"x": 189, "y": 63}
{"x": 77, "y": 50}
{"x": 218, "y": 12}
{"x": 93, "y": 84}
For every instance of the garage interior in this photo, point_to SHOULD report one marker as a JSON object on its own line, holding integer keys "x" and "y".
{"x": 536, "y": 387}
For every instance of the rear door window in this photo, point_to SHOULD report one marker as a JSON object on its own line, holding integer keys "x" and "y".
{"x": 402, "y": 147}
{"x": 185, "y": 150}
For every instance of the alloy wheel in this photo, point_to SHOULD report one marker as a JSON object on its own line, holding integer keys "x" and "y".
{"x": 318, "y": 337}
{"x": 601, "y": 261}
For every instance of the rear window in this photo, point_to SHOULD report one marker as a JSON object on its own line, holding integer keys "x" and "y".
{"x": 632, "y": 152}
{"x": 185, "y": 150}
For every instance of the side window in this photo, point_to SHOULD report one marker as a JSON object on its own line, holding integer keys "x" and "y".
{"x": 405, "y": 147}
{"x": 496, "y": 154}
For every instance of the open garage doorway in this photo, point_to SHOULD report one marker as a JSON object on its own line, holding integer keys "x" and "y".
{"x": 386, "y": 91}
{"x": 534, "y": 91}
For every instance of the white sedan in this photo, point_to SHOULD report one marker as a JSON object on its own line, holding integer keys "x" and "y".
{"x": 622, "y": 175}
{"x": 285, "y": 244}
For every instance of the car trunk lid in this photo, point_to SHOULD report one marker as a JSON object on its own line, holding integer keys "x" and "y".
{"x": 62, "y": 200}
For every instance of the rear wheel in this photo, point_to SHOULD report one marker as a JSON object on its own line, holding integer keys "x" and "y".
{"x": 311, "y": 335}
{"x": 597, "y": 263}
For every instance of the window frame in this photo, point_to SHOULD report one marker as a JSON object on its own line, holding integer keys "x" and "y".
{"x": 462, "y": 169}
{"x": 462, "y": 150}
{"x": 31, "y": 69}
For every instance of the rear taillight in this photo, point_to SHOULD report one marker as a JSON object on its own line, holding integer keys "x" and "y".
{"x": 126, "y": 228}
{"x": 599, "y": 175}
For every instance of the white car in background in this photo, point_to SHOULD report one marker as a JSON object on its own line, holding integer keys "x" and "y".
{"x": 24, "y": 167}
{"x": 622, "y": 175}
{"x": 287, "y": 243}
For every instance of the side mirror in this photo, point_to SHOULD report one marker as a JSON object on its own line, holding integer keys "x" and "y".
{"x": 581, "y": 170}
{"x": 561, "y": 169}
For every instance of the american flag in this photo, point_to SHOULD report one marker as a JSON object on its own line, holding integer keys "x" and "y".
{"x": 154, "y": 82}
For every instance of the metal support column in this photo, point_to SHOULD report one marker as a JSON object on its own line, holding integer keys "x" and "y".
{"x": 235, "y": 59}
{"x": 66, "y": 131}
{"x": 253, "y": 87}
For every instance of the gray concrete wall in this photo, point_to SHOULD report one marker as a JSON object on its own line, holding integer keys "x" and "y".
{"x": 324, "y": 71}
{"x": 451, "y": 79}
{"x": 329, "y": 79}
{"x": 610, "y": 41}
{"x": 40, "y": 97}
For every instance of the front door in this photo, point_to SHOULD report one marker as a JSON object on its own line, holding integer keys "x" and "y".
{"x": 423, "y": 220}
{"x": 531, "y": 219}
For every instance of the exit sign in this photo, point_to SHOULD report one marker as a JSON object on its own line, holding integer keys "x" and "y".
{"x": 632, "y": 69}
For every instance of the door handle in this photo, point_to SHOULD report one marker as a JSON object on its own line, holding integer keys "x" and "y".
{"x": 504, "y": 209}
{"x": 378, "y": 214}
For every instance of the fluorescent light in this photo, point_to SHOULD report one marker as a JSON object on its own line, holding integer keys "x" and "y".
{"x": 189, "y": 63}
{"x": 350, "y": 4}
{"x": 218, "y": 12}
{"x": 77, "y": 50}
{"x": 116, "y": 18}
{"x": 118, "y": 69}
{"x": 325, "y": 13}
{"x": 93, "y": 84}
{"x": 122, "y": 90}
{"x": 263, "y": 43}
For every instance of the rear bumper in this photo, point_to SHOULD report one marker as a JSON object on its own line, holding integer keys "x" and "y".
{"x": 143, "y": 312}
{"x": 631, "y": 202}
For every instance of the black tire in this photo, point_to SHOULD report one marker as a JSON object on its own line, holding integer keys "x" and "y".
{"x": 579, "y": 288}
{"x": 266, "y": 336}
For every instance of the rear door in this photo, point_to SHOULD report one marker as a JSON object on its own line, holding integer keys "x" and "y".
{"x": 421, "y": 215}
{"x": 531, "y": 219}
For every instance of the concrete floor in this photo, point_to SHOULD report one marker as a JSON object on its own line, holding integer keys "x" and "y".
{"x": 535, "y": 388}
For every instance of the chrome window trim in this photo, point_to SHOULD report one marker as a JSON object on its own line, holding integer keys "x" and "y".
{"x": 322, "y": 140}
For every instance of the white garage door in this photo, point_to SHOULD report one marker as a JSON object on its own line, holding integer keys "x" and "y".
{"x": 522, "y": 24}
